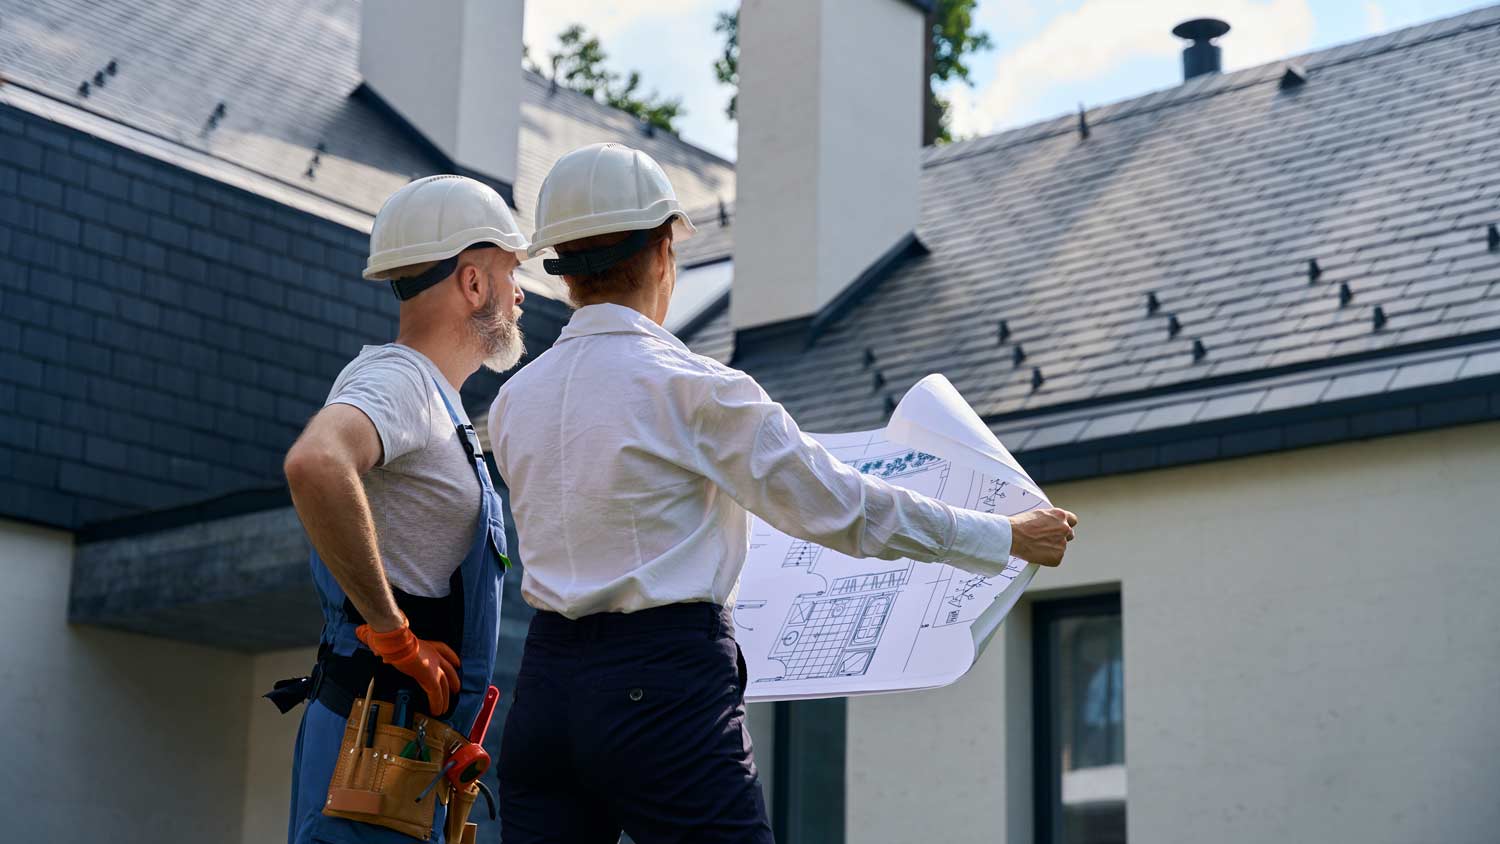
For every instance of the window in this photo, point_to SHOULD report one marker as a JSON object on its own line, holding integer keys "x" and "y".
{"x": 1079, "y": 689}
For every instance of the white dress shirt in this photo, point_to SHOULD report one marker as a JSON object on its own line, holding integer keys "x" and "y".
{"x": 632, "y": 463}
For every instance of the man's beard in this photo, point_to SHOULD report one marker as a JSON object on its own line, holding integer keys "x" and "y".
{"x": 497, "y": 334}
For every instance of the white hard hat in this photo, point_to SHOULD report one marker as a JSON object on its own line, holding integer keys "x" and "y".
{"x": 436, "y": 218}
{"x": 602, "y": 189}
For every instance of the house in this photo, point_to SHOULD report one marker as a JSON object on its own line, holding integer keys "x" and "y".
{"x": 1248, "y": 327}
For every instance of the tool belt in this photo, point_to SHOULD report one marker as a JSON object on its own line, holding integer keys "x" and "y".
{"x": 336, "y": 681}
{"x": 390, "y": 776}
{"x": 378, "y": 779}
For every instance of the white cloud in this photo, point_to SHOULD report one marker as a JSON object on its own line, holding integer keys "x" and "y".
{"x": 965, "y": 117}
{"x": 1013, "y": 15}
{"x": 604, "y": 18}
{"x": 1101, "y": 35}
{"x": 1375, "y": 21}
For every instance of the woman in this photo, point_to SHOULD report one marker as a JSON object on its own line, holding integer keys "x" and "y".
{"x": 633, "y": 466}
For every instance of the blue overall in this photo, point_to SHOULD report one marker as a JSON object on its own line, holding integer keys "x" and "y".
{"x": 322, "y": 729}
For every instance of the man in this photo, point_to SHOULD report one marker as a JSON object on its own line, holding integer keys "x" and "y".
{"x": 633, "y": 466}
{"x": 390, "y": 484}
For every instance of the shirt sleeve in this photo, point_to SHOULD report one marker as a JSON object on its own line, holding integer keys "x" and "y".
{"x": 752, "y": 449}
{"x": 390, "y": 392}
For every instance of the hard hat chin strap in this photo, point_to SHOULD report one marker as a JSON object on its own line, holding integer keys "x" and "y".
{"x": 405, "y": 288}
{"x": 591, "y": 261}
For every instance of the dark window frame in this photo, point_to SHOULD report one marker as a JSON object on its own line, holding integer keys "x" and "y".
{"x": 809, "y": 785}
{"x": 1047, "y": 782}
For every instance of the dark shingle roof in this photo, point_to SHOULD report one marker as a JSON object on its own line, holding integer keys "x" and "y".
{"x": 715, "y": 238}
{"x": 1366, "y": 379}
{"x": 285, "y": 71}
{"x": 1214, "y": 195}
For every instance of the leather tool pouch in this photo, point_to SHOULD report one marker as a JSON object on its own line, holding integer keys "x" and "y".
{"x": 377, "y": 785}
{"x": 458, "y": 830}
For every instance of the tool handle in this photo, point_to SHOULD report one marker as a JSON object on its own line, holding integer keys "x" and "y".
{"x": 402, "y": 718}
{"x": 364, "y": 720}
{"x": 486, "y": 712}
{"x": 374, "y": 721}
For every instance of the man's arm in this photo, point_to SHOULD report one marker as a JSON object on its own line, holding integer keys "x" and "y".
{"x": 323, "y": 470}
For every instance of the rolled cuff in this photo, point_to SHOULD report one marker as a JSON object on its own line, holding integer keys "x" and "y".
{"x": 981, "y": 542}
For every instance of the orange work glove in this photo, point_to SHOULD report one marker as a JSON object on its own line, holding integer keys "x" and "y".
{"x": 432, "y": 664}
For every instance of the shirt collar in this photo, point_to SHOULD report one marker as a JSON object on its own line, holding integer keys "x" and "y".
{"x": 607, "y": 318}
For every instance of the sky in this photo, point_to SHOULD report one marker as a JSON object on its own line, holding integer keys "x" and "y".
{"x": 1049, "y": 55}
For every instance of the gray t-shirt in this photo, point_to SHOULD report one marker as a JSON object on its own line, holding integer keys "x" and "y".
{"x": 423, "y": 494}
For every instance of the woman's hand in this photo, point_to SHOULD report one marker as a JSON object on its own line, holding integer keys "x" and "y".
{"x": 1042, "y": 536}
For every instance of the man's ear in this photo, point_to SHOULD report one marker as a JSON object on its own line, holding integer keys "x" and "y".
{"x": 470, "y": 282}
{"x": 664, "y": 255}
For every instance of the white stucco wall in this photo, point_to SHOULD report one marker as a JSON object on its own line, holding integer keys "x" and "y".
{"x": 269, "y": 742}
{"x": 109, "y": 736}
{"x": 1312, "y": 653}
{"x": 452, "y": 70}
{"x": 829, "y": 167}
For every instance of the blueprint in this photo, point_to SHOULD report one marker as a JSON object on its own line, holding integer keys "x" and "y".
{"x": 813, "y": 622}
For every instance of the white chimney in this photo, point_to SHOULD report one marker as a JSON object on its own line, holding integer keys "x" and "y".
{"x": 830, "y": 138}
{"x": 451, "y": 69}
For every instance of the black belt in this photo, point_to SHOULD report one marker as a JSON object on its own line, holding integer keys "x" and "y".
{"x": 712, "y": 619}
{"x": 337, "y": 681}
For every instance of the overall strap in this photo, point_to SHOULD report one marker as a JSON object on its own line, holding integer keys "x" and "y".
{"x": 481, "y": 471}
{"x": 466, "y": 432}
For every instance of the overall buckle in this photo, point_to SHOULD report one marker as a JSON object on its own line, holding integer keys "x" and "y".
{"x": 476, "y": 451}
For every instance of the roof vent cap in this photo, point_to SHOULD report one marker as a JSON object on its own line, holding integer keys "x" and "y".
{"x": 1202, "y": 57}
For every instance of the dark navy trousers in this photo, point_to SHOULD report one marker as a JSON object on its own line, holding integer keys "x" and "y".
{"x": 632, "y": 722}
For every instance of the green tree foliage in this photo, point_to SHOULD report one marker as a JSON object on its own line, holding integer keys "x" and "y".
{"x": 727, "y": 67}
{"x": 954, "y": 39}
{"x": 652, "y": 109}
{"x": 578, "y": 63}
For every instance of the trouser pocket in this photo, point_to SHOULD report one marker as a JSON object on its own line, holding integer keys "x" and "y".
{"x": 740, "y": 669}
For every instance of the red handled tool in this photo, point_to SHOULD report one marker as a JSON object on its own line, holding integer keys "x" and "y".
{"x": 471, "y": 760}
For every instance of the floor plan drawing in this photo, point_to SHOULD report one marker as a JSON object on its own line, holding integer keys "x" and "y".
{"x": 815, "y": 622}
{"x": 830, "y": 637}
{"x": 879, "y": 580}
{"x": 802, "y": 554}
{"x": 833, "y": 632}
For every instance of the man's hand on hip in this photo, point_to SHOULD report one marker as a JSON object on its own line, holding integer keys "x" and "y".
{"x": 1042, "y": 536}
{"x": 432, "y": 664}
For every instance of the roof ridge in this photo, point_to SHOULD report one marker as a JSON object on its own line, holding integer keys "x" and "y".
{"x": 1207, "y": 88}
